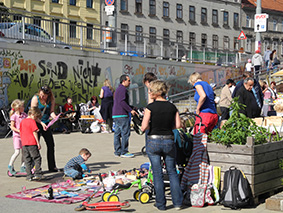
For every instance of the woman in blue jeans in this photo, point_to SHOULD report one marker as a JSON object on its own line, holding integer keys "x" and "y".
{"x": 160, "y": 118}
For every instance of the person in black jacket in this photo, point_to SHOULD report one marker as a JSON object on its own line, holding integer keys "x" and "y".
{"x": 247, "y": 97}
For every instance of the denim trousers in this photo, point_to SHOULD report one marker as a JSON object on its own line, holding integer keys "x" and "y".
{"x": 165, "y": 148}
{"x": 121, "y": 135}
{"x": 73, "y": 173}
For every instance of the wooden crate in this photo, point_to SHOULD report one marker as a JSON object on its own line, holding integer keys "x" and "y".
{"x": 260, "y": 163}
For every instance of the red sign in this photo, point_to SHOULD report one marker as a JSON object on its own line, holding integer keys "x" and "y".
{"x": 109, "y": 2}
{"x": 261, "y": 16}
{"x": 242, "y": 36}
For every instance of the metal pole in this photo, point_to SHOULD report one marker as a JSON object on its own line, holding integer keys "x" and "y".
{"x": 191, "y": 52}
{"x": 203, "y": 55}
{"x": 126, "y": 44}
{"x": 23, "y": 26}
{"x": 177, "y": 52}
{"x": 257, "y": 35}
{"x": 81, "y": 39}
{"x": 144, "y": 48}
{"x": 54, "y": 33}
{"x": 162, "y": 49}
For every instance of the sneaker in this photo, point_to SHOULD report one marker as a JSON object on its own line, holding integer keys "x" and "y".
{"x": 178, "y": 208}
{"x": 105, "y": 131}
{"x": 127, "y": 155}
{"x": 29, "y": 178}
{"x": 23, "y": 169}
{"x": 67, "y": 178}
{"x": 37, "y": 177}
{"x": 11, "y": 170}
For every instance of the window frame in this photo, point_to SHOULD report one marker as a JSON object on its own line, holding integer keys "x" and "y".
{"x": 37, "y": 20}
{"x": 192, "y": 38}
{"x": 226, "y": 40}
{"x": 203, "y": 19}
{"x": 179, "y": 36}
{"x": 166, "y": 36}
{"x": 152, "y": 35}
{"x": 89, "y": 3}
{"x": 73, "y": 2}
{"x": 166, "y": 9}
{"x": 274, "y": 25}
{"x": 124, "y": 31}
{"x": 179, "y": 11}
{"x": 152, "y": 7}
{"x": 57, "y": 32}
{"x": 203, "y": 38}
{"x": 215, "y": 41}
{"x": 192, "y": 14}
{"x": 138, "y": 6}
{"x": 89, "y": 31}
{"x": 55, "y": 1}
{"x": 225, "y": 19}
{"x": 73, "y": 29}
{"x": 248, "y": 21}
{"x": 124, "y": 3}
{"x": 215, "y": 16}
{"x": 139, "y": 34}
{"x": 236, "y": 21}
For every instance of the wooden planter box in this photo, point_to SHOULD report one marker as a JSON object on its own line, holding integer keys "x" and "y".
{"x": 260, "y": 163}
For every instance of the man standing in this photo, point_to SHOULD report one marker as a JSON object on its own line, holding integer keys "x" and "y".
{"x": 246, "y": 97}
{"x": 266, "y": 56}
{"x": 120, "y": 115}
{"x": 257, "y": 61}
{"x": 225, "y": 100}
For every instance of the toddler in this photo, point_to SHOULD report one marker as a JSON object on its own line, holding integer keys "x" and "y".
{"x": 75, "y": 167}
{"x": 16, "y": 116}
{"x": 31, "y": 145}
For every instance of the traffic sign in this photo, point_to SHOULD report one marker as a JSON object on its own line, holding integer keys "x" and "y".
{"x": 109, "y": 2}
{"x": 260, "y": 22}
{"x": 242, "y": 36}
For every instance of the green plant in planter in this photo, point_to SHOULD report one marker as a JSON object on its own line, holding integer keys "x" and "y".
{"x": 238, "y": 127}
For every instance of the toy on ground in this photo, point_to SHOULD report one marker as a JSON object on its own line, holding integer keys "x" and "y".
{"x": 107, "y": 206}
{"x": 143, "y": 193}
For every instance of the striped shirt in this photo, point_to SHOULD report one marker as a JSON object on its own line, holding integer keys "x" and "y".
{"x": 75, "y": 163}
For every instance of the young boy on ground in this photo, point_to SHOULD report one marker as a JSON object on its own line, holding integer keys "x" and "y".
{"x": 30, "y": 143}
{"x": 76, "y": 166}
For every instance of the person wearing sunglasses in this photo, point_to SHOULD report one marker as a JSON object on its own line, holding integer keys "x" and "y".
{"x": 45, "y": 101}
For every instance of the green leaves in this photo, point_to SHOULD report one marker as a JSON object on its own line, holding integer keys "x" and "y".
{"x": 238, "y": 127}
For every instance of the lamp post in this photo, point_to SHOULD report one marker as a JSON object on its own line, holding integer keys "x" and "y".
{"x": 257, "y": 35}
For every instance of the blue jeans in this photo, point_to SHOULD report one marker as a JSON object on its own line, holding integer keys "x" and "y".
{"x": 155, "y": 149}
{"x": 73, "y": 173}
{"x": 121, "y": 135}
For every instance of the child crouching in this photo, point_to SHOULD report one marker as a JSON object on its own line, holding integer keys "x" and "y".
{"x": 75, "y": 167}
{"x": 30, "y": 143}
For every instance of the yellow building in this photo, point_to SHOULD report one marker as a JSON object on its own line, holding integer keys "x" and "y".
{"x": 71, "y": 19}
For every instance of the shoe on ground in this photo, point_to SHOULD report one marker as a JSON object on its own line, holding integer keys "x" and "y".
{"x": 127, "y": 155}
{"x": 29, "y": 178}
{"x": 67, "y": 178}
{"x": 23, "y": 169}
{"x": 105, "y": 131}
{"x": 178, "y": 208}
{"x": 38, "y": 177}
{"x": 11, "y": 170}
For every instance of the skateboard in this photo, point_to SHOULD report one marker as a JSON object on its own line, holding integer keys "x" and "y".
{"x": 106, "y": 206}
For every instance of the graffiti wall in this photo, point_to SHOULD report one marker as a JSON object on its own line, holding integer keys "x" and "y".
{"x": 80, "y": 75}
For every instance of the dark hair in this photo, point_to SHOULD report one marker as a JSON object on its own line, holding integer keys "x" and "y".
{"x": 229, "y": 81}
{"x": 272, "y": 54}
{"x": 45, "y": 89}
{"x": 123, "y": 78}
{"x": 248, "y": 79}
{"x": 247, "y": 74}
{"x": 149, "y": 77}
{"x": 273, "y": 82}
{"x": 93, "y": 98}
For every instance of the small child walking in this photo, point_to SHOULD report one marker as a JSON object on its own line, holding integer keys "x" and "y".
{"x": 76, "y": 166}
{"x": 17, "y": 114}
{"x": 30, "y": 143}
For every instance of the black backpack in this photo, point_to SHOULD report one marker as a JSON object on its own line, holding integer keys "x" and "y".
{"x": 236, "y": 191}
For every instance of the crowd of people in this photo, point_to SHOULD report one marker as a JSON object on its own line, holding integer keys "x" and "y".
{"x": 159, "y": 120}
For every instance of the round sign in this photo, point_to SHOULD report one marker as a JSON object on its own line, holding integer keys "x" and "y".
{"x": 109, "y": 2}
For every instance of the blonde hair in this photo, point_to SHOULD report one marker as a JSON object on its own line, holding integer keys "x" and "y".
{"x": 85, "y": 151}
{"x": 159, "y": 87}
{"x": 16, "y": 104}
{"x": 194, "y": 77}
{"x": 35, "y": 111}
{"x": 107, "y": 83}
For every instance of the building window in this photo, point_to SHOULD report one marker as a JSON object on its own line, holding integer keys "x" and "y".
{"x": 274, "y": 25}
{"x": 139, "y": 37}
{"x": 179, "y": 11}
{"x": 152, "y": 35}
{"x": 248, "y": 21}
{"x": 89, "y": 3}
{"x": 249, "y": 45}
{"x": 215, "y": 41}
{"x": 55, "y": 1}
{"x": 37, "y": 20}
{"x": 165, "y": 10}
{"x": 203, "y": 15}
{"x": 89, "y": 31}
{"x": 226, "y": 43}
{"x": 73, "y": 2}
{"x": 236, "y": 43}
{"x": 152, "y": 7}
{"x": 179, "y": 37}
{"x": 214, "y": 17}
{"x": 192, "y": 39}
{"x": 225, "y": 18}
{"x": 192, "y": 14}
{"x": 124, "y": 5}
{"x": 56, "y": 25}
{"x": 203, "y": 40}
{"x": 274, "y": 45}
{"x": 73, "y": 29}
{"x": 124, "y": 31}
{"x": 17, "y": 17}
{"x": 166, "y": 36}
{"x": 139, "y": 6}
{"x": 236, "y": 20}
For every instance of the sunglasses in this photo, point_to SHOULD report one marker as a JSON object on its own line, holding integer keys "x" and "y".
{"x": 45, "y": 89}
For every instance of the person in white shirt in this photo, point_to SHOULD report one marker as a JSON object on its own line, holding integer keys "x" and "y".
{"x": 249, "y": 66}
